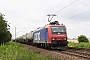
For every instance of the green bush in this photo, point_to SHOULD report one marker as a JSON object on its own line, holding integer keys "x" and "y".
{"x": 82, "y": 38}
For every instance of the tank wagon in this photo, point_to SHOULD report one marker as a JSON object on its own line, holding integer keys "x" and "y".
{"x": 53, "y": 35}
{"x": 26, "y": 39}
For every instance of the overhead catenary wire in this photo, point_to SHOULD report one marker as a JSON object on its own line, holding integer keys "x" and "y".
{"x": 66, "y": 6}
{"x": 76, "y": 15}
{"x": 79, "y": 14}
{"x": 77, "y": 9}
{"x": 56, "y": 6}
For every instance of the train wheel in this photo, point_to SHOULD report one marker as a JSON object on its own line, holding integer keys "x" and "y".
{"x": 48, "y": 46}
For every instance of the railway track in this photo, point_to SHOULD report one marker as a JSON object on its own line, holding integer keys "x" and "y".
{"x": 77, "y": 52}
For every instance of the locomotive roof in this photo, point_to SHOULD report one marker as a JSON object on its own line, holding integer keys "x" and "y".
{"x": 53, "y": 25}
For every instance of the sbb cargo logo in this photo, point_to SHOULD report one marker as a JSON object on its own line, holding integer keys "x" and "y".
{"x": 37, "y": 36}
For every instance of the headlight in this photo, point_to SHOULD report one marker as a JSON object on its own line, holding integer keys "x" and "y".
{"x": 53, "y": 39}
{"x": 64, "y": 38}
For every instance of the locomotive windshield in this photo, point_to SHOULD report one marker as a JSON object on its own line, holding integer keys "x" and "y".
{"x": 58, "y": 29}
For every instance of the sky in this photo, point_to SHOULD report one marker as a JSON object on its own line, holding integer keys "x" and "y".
{"x": 28, "y": 15}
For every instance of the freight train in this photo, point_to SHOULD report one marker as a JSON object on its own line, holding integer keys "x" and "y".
{"x": 53, "y": 35}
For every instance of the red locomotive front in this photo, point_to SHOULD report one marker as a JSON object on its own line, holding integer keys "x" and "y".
{"x": 57, "y": 34}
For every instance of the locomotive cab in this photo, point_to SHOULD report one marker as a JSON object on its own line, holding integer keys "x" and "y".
{"x": 57, "y": 34}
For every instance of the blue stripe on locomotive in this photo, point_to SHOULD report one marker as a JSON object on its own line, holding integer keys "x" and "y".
{"x": 40, "y": 36}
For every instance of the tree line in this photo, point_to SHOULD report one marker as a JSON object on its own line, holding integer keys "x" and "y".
{"x": 5, "y": 35}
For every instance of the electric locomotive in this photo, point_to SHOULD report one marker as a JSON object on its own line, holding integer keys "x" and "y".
{"x": 53, "y": 35}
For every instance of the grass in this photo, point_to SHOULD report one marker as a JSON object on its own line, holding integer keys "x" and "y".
{"x": 79, "y": 45}
{"x": 15, "y": 51}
